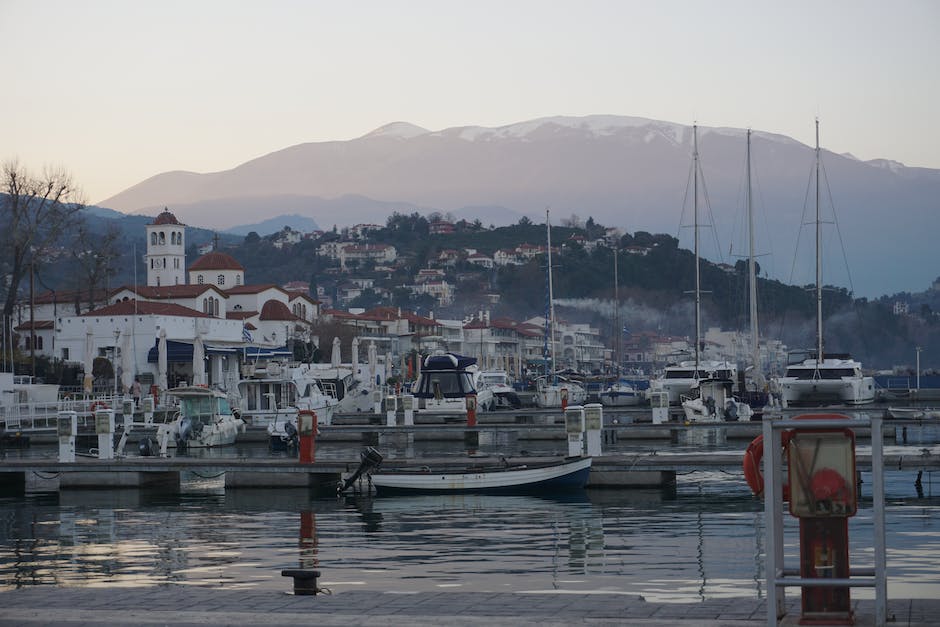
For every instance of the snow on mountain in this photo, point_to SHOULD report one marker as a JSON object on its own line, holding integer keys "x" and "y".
{"x": 401, "y": 130}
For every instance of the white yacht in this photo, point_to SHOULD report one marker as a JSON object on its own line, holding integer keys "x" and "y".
{"x": 836, "y": 379}
{"x": 500, "y": 385}
{"x": 682, "y": 379}
{"x": 552, "y": 391}
{"x": 445, "y": 381}
{"x": 713, "y": 401}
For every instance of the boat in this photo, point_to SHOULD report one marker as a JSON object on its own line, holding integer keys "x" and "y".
{"x": 715, "y": 402}
{"x": 272, "y": 394}
{"x": 621, "y": 393}
{"x": 680, "y": 379}
{"x": 340, "y": 382}
{"x": 820, "y": 378}
{"x": 445, "y": 381}
{"x": 205, "y": 420}
{"x": 557, "y": 390}
{"x": 500, "y": 386}
{"x": 505, "y": 477}
{"x": 553, "y": 390}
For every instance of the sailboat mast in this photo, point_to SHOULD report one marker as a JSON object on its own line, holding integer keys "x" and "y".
{"x": 617, "y": 330}
{"x": 819, "y": 316}
{"x": 752, "y": 270}
{"x": 698, "y": 293}
{"x": 551, "y": 296}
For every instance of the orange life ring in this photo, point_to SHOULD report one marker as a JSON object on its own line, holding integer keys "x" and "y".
{"x": 752, "y": 461}
{"x": 98, "y": 405}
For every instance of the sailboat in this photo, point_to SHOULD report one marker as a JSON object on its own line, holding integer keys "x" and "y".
{"x": 821, "y": 378}
{"x": 715, "y": 400}
{"x": 681, "y": 381}
{"x": 551, "y": 390}
{"x": 621, "y": 392}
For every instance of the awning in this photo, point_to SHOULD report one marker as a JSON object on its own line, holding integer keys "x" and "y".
{"x": 182, "y": 352}
{"x": 260, "y": 352}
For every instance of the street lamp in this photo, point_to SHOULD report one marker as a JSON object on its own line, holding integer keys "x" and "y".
{"x": 918, "y": 349}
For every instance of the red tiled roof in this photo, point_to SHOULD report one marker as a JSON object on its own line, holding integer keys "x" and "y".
{"x": 253, "y": 289}
{"x": 166, "y": 218}
{"x": 216, "y": 260}
{"x": 276, "y": 310}
{"x": 171, "y": 291}
{"x": 68, "y": 296}
{"x": 146, "y": 308}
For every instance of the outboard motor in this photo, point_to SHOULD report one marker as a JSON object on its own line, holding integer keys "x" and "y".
{"x": 369, "y": 461}
{"x": 147, "y": 447}
{"x": 185, "y": 433}
{"x": 290, "y": 435}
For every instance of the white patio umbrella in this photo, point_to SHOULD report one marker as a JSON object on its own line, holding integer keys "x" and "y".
{"x": 373, "y": 363}
{"x": 161, "y": 361}
{"x": 388, "y": 367}
{"x": 199, "y": 361}
{"x": 335, "y": 359}
{"x": 355, "y": 354}
{"x": 89, "y": 378}
{"x": 127, "y": 362}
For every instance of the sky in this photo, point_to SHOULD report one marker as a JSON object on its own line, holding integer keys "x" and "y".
{"x": 115, "y": 92}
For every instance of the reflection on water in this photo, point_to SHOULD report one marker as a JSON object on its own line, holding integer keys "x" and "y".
{"x": 701, "y": 541}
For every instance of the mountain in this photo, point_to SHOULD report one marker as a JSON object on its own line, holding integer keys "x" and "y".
{"x": 623, "y": 171}
{"x": 275, "y": 224}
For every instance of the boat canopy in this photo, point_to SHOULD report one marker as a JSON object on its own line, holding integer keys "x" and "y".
{"x": 182, "y": 352}
{"x": 448, "y": 361}
{"x": 445, "y": 376}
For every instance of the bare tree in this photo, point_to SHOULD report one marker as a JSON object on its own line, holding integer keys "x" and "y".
{"x": 34, "y": 213}
{"x": 96, "y": 256}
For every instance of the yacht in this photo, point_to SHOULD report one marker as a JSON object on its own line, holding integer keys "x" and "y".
{"x": 445, "y": 381}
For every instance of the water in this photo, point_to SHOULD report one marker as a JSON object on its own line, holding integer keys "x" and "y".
{"x": 703, "y": 540}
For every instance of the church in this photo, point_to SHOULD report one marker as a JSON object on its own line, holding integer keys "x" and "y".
{"x": 208, "y": 302}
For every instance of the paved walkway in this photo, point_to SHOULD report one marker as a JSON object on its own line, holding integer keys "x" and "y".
{"x": 185, "y": 605}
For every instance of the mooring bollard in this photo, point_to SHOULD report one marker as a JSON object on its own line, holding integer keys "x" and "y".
{"x": 305, "y": 581}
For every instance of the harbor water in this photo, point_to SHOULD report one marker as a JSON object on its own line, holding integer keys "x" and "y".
{"x": 702, "y": 539}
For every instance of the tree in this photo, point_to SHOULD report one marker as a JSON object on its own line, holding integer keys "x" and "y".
{"x": 34, "y": 214}
{"x": 95, "y": 256}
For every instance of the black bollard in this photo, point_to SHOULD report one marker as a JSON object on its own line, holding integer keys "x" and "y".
{"x": 305, "y": 581}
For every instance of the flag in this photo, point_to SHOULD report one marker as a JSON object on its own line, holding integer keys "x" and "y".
{"x": 626, "y": 331}
{"x": 246, "y": 334}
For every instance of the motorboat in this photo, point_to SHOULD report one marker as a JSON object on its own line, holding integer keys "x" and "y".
{"x": 715, "y": 402}
{"x": 272, "y": 395}
{"x": 503, "y": 477}
{"x": 678, "y": 380}
{"x": 445, "y": 381}
{"x": 205, "y": 419}
{"x": 340, "y": 382}
{"x": 500, "y": 386}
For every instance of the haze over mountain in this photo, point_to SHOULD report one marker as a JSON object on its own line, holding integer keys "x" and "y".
{"x": 626, "y": 172}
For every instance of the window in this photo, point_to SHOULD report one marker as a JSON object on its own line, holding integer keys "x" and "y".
{"x": 39, "y": 342}
{"x": 220, "y": 280}
{"x": 153, "y": 238}
{"x": 176, "y": 264}
{"x": 65, "y": 354}
{"x": 199, "y": 280}
{"x": 238, "y": 279}
{"x": 205, "y": 305}
{"x": 162, "y": 238}
{"x": 164, "y": 262}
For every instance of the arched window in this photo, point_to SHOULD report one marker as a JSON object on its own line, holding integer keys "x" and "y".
{"x": 153, "y": 238}
{"x": 238, "y": 279}
{"x": 220, "y": 280}
{"x": 205, "y": 305}
{"x": 199, "y": 279}
{"x": 39, "y": 342}
{"x": 162, "y": 237}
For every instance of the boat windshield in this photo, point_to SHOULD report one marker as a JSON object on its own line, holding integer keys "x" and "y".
{"x": 680, "y": 374}
{"x": 198, "y": 407}
{"x": 808, "y": 372}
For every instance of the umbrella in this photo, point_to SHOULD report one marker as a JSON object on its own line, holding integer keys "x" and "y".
{"x": 388, "y": 366}
{"x": 199, "y": 361}
{"x": 127, "y": 362}
{"x": 355, "y": 353}
{"x": 335, "y": 359}
{"x": 161, "y": 361}
{"x": 373, "y": 363}
{"x": 89, "y": 361}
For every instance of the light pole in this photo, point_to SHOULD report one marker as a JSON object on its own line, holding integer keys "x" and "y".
{"x": 114, "y": 367}
{"x": 917, "y": 350}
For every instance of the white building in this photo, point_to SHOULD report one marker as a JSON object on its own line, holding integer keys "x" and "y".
{"x": 166, "y": 251}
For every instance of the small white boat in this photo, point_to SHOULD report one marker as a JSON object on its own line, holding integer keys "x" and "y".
{"x": 913, "y": 413}
{"x": 521, "y": 478}
{"x": 715, "y": 403}
{"x": 549, "y": 393}
{"x": 205, "y": 420}
{"x": 621, "y": 393}
{"x": 682, "y": 379}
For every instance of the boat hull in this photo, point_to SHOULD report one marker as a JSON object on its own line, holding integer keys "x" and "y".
{"x": 568, "y": 475}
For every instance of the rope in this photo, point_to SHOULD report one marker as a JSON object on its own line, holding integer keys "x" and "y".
{"x": 202, "y": 476}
